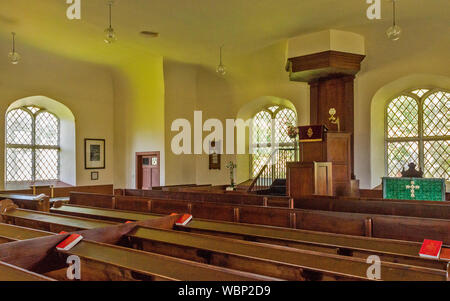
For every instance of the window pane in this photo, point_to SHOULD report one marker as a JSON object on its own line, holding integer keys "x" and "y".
{"x": 47, "y": 129}
{"x": 436, "y": 120}
{"x": 420, "y": 92}
{"x": 400, "y": 154}
{"x": 262, "y": 128}
{"x": 259, "y": 158}
{"x": 19, "y": 164}
{"x": 46, "y": 164}
{"x": 283, "y": 118}
{"x": 436, "y": 159}
{"x": 19, "y": 125}
{"x": 402, "y": 114}
{"x": 282, "y": 156}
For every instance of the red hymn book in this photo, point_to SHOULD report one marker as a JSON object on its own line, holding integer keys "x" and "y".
{"x": 184, "y": 220}
{"x": 69, "y": 242}
{"x": 431, "y": 249}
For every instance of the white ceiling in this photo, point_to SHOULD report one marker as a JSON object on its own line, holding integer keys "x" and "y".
{"x": 192, "y": 30}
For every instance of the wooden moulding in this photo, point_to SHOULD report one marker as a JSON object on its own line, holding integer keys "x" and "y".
{"x": 311, "y": 67}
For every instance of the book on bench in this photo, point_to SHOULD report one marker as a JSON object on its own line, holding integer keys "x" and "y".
{"x": 69, "y": 242}
{"x": 184, "y": 220}
{"x": 445, "y": 254}
{"x": 430, "y": 249}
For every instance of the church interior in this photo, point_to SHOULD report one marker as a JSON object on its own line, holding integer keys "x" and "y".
{"x": 238, "y": 140}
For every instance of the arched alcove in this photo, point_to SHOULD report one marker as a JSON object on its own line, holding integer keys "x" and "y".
{"x": 247, "y": 112}
{"x": 67, "y": 151}
{"x": 377, "y": 125}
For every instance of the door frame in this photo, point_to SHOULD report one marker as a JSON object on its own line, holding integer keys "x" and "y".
{"x": 138, "y": 161}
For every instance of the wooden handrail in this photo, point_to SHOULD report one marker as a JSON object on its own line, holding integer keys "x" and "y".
{"x": 250, "y": 188}
{"x": 262, "y": 170}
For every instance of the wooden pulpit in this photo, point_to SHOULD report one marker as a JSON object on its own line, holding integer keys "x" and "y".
{"x": 306, "y": 177}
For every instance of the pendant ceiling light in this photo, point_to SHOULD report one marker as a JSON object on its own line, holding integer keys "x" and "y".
{"x": 13, "y": 55}
{"x": 394, "y": 32}
{"x": 221, "y": 68}
{"x": 110, "y": 33}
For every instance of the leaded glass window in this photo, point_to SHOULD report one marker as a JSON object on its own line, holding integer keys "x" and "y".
{"x": 269, "y": 130}
{"x": 32, "y": 145}
{"x": 418, "y": 131}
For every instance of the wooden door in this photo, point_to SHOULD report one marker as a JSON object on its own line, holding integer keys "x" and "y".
{"x": 147, "y": 170}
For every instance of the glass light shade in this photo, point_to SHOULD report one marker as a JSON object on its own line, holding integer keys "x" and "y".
{"x": 221, "y": 69}
{"x": 14, "y": 57}
{"x": 110, "y": 36}
{"x": 394, "y": 32}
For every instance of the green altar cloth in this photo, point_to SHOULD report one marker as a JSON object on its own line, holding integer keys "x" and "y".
{"x": 414, "y": 189}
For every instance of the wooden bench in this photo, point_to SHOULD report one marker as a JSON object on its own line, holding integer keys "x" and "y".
{"x": 12, "y": 273}
{"x": 373, "y": 225}
{"x": 275, "y": 261}
{"x": 439, "y": 210}
{"x": 426, "y": 209}
{"x": 102, "y": 261}
{"x": 49, "y": 222}
{"x": 254, "y": 258}
{"x": 56, "y": 191}
{"x": 362, "y": 247}
{"x": 210, "y": 196}
{"x": 33, "y": 202}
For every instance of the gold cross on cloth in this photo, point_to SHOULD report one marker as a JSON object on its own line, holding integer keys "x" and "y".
{"x": 413, "y": 188}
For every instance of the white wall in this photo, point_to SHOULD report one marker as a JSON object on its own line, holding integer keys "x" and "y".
{"x": 86, "y": 89}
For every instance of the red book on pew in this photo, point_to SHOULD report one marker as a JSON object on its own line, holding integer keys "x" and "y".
{"x": 445, "y": 254}
{"x": 128, "y": 222}
{"x": 69, "y": 242}
{"x": 184, "y": 220}
{"x": 63, "y": 232}
{"x": 430, "y": 249}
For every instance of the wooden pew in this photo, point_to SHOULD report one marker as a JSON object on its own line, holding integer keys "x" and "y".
{"x": 362, "y": 247}
{"x": 62, "y": 191}
{"x": 212, "y": 196}
{"x": 33, "y": 202}
{"x": 119, "y": 263}
{"x": 102, "y": 261}
{"x": 324, "y": 221}
{"x": 9, "y": 233}
{"x": 244, "y": 256}
{"x": 102, "y": 213}
{"x": 439, "y": 210}
{"x": 426, "y": 209}
{"x": 46, "y": 221}
{"x": 276, "y": 261}
{"x": 9, "y": 272}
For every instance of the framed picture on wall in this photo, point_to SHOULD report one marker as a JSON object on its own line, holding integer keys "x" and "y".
{"x": 94, "y": 153}
{"x": 94, "y": 176}
{"x": 214, "y": 154}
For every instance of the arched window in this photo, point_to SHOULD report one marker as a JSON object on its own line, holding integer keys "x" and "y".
{"x": 418, "y": 130}
{"x": 269, "y": 130}
{"x": 32, "y": 145}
